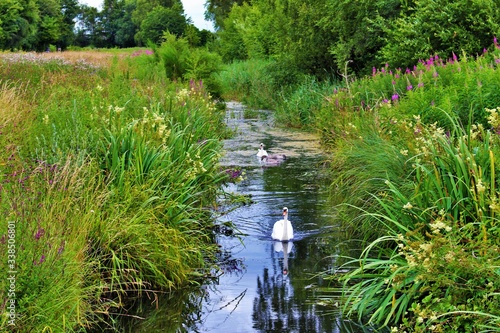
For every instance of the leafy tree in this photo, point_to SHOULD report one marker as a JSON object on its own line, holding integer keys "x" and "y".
{"x": 286, "y": 30}
{"x": 18, "y": 23}
{"x": 144, "y": 7}
{"x": 218, "y": 11}
{"x": 69, "y": 10}
{"x": 109, "y": 16}
{"x": 355, "y": 34}
{"x": 439, "y": 27}
{"x": 50, "y": 26}
{"x": 88, "y": 26}
{"x": 125, "y": 27}
{"x": 159, "y": 20}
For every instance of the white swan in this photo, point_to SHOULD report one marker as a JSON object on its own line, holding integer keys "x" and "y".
{"x": 283, "y": 230}
{"x": 261, "y": 153}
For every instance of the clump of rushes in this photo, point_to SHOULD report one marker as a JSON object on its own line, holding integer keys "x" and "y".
{"x": 109, "y": 175}
{"x": 437, "y": 267}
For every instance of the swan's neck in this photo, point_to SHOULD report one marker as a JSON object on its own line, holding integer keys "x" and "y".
{"x": 285, "y": 227}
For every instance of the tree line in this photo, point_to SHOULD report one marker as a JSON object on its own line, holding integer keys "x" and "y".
{"x": 322, "y": 37}
{"x": 318, "y": 37}
{"x": 40, "y": 24}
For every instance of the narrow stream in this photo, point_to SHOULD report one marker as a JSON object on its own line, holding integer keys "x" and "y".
{"x": 254, "y": 294}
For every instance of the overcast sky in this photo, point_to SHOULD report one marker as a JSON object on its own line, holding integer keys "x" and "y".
{"x": 193, "y": 8}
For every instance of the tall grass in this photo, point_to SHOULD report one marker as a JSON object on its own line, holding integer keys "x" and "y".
{"x": 414, "y": 155}
{"x": 249, "y": 82}
{"x": 109, "y": 172}
{"x": 437, "y": 269}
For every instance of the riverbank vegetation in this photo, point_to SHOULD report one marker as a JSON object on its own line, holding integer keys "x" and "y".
{"x": 109, "y": 173}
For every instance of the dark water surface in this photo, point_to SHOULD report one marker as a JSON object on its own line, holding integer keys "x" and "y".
{"x": 252, "y": 293}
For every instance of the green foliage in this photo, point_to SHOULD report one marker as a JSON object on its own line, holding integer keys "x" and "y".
{"x": 356, "y": 36}
{"x": 320, "y": 37}
{"x": 299, "y": 105}
{"x": 439, "y": 27}
{"x": 441, "y": 273}
{"x": 286, "y": 30}
{"x": 108, "y": 174}
{"x": 248, "y": 81}
{"x": 182, "y": 62}
{"x": 219, "y": 10}
{"x": 158, "y": 21}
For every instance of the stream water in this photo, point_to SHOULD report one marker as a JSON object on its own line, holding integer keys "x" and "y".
{"x": 272, "y": 286}
{"x": 253, "y": 293}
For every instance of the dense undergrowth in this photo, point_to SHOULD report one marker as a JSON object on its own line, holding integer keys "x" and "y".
{"x": 415, "y": 173}
{"x": 109, "y": 171}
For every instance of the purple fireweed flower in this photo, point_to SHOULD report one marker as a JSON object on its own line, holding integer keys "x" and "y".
{"x": 40, "y": 232}
{"x": 61, "y": 248}
{"x": 385, "y": 100}
{"x": 374, "y": 71}
{"x": 393, "y": 82}
{"x": 395, "y": 97}
{"x": 233, "y": 173}
{"x": 485, "y": 51}
{"x": 420, "y": 85}
{"x": 410, "y": 87}
{"x": 454, "y": 57}
{"x": 407, "y": 71}
{"x": 396, "y": 76}
{"x": 41, "y": 260}
{"x": 435, "y": 74}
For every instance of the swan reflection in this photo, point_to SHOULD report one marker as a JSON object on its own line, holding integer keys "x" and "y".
{"x": 286, "y": 248}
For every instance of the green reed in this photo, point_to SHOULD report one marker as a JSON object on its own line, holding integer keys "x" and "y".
{"x": 440, "y": 255}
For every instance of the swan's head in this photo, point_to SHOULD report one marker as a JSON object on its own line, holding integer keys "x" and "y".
{"x": 285, "y": 211}
{"x": 261, "y": 146}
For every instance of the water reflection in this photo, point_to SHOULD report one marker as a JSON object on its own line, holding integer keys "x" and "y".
{"x": 286, "y": 248}
{"x": 278, "y": 290}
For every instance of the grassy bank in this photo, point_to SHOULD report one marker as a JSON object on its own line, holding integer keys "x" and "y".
{"x": 415, "y": 173}
{"x": 109, "y": 170}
